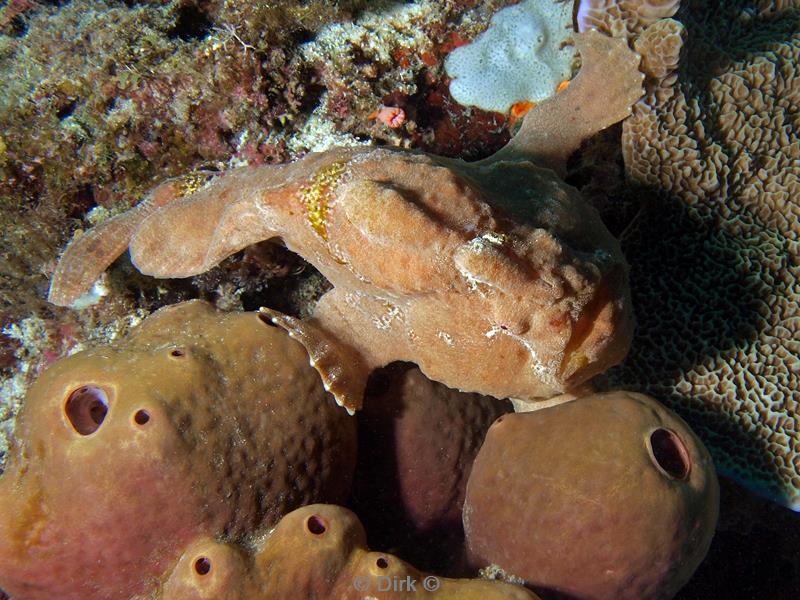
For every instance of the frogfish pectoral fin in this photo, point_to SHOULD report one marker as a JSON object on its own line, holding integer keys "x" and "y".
{"x": 343, "y": 371}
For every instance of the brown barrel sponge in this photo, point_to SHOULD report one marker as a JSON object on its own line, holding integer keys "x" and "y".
{"x": 317, "y": 552}
{"x": 610, "y": 496}
{"x": 419, "y": 439}
{"x": 201, "y": 423}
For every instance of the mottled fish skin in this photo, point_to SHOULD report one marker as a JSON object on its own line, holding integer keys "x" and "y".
{"x": 494, "y": 277}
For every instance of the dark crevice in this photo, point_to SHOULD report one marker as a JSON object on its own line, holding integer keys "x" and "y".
{"x": 191, "y": 24}
{"x": 67, "y": 110}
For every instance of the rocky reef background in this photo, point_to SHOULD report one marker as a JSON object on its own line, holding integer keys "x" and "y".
{"x": 103, "y": 99}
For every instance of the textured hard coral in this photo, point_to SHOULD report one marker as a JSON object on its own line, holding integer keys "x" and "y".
{"x": 609, "y": 497}
{"x": 660, "y": 46}
{"x": 433, "y": 260}
{"x": 622, "y": 18}
{"x": 718, "y": 295}
{"x": 317, "y": 552}
{"x": 422, "y": 438}
{"x": 127, "y": 453}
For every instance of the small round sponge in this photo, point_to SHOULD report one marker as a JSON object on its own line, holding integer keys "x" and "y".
{"x": 522, "y": 57}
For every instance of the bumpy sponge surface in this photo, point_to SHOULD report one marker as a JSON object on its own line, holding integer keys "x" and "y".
{"x": 522, "y": 57}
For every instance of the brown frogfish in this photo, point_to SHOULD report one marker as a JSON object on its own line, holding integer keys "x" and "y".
{"x": 494, "y": 276}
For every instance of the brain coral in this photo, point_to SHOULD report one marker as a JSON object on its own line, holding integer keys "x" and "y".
{"x": 622, "y": 18}
{"x": 718, "y": 136}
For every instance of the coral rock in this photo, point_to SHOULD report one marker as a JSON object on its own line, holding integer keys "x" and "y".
{"x": 201, "y": 423}
{"x": 607, "y": 497}
{"x": 317, "y": 552}
{"x": 420, "y": 439}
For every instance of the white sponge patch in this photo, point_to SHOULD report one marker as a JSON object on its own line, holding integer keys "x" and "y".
{"x": 522, "y": 57}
